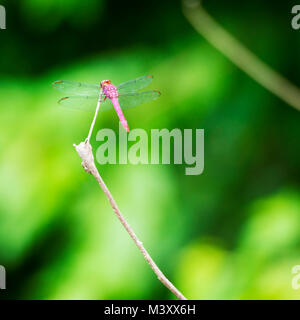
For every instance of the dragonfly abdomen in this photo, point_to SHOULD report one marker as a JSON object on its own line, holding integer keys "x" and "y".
{"x": 120, "y": 114}
{"x": 111, "y": 92}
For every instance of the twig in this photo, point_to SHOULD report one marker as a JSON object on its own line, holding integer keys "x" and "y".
{"x": 95, "y": 117}
{"x": 84, "y": 149}
{"x": 239, "y": 54}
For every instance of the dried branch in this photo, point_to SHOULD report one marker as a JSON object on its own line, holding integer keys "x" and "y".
{"x": 84, "y": 150}
{"x": 239, "y": 54}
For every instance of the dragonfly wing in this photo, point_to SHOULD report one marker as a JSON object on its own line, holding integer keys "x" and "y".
{"x": 86, "y": 103}
{"x": 135, "y": 85}
{"x": 77, "y": 88}
{"x": 131, "y": 100}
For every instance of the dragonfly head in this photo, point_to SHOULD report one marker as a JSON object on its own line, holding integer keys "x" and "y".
{"x": 104, "y": 83}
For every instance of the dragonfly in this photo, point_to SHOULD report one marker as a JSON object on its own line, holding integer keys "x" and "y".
{"x": 126, "y": 95}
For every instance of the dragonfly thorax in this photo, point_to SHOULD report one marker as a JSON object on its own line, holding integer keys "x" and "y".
{"x": 110, "y": 91}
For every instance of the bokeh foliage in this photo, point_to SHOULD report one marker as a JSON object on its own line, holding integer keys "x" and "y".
{"x": 230, "y": 233}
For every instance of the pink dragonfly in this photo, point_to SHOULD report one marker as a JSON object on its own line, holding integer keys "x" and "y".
{"x": 125, "y": 95}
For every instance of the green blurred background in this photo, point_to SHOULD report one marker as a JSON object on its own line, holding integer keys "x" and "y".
{"x": 231, "y": 233}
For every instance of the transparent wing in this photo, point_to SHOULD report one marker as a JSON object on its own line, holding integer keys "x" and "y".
{"x": 89, "y": 103}
{"x": 85, "y": 103}
{"x": 77, "y": 88}
{"x": 131, "y": 100}
{"x": 135, "y": 85}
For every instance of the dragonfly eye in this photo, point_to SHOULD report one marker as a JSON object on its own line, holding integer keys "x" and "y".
{"x": 105, "y": 82}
